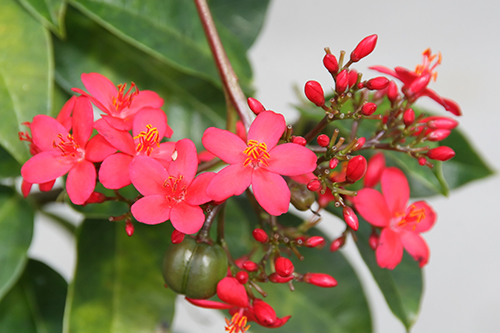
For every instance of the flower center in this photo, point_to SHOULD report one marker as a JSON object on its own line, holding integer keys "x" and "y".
{"x": 414, "y": 217}
{"x": 69, "y": 147}
{"x": 426, "y": 67}
{"x": 124, "y": 97}
{"x": 176, "y": 189}
{"x": 257, "y": 153}
{"x": 148, "y": 140}
{"x": 237, "y": 324}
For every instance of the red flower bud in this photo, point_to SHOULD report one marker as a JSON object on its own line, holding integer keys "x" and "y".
{"x": 442, "y": 153}
{"x": 333, "y": 163}
{"x": 337, "y": 243}
{"x": 314, "y": 93}
{"x": 422, "y": 160}
{"x": 377, "y": 83}
{"x": 314, "y": 241}
{"x": 260, "y": 235}
{"x": 353, "y": 77}
{"x": 276, "y": 278}
{"x": 356, "y": 169}
{"x": 129, "y": 228}
{"x": 255, "y": 105}
{"x": 95, "y": 197}
{"x": 376, "y": 166}
{"x": 177, "y": 237}
{"x": 299, "y": 140}
{"x": 359, "y": 144}
{"x": 364, "y": 48}
{"x": 392, "y": 91}
{"x": 331, "y": 63}
{"x": 438, "y": 135}
{"x": 314, "y": 185}
{"x": 436, "y": 122}
{"x": 409, "y": 117}
{"x": 419, "y": 83}
{"x": 242, "y": 277}
{"x": 284, "y": 266}
{"x": 341, "y": 81}
{"x": 373, "y": 240}
{"x": 368, "y": 109}
{"x": 350, "y": 218}
{"x": 264, "y": 313}
{"x": 250, "y": 266}
{"x": 320, "y": 280}
{"x": 323, "y": 140}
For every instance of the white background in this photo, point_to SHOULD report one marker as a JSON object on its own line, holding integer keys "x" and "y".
{"x": 462, "y": 289}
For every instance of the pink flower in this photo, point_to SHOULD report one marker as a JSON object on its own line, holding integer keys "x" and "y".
{"x": 119, "y": 104}
{"x": 415, "y": 82}
{"x": 258, "y": 162}
{"x": 149, "y": 128}
{"x": 171, "y": 194}
{"x": 400, "y": 224}
{"x": 62, "y": 152}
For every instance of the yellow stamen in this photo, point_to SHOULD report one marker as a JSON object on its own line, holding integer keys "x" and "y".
{"x": 257, "y": 153}
{"x": 237, "y": 324}
{"x": 148, "y": 140}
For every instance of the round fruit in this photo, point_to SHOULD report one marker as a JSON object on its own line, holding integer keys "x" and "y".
{"x": 300, "y": 196}
{"x": 194, "y": 269}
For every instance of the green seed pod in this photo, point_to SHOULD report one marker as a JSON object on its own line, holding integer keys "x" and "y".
{"x": 300, "y": 197}
{"x": 194, "y": 269}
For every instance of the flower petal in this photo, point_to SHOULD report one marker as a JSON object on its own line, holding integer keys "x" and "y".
{"x": 231, "y": 291}
{"x": 121, "y": 140}
{"x": 232, "y": 180}
{"x": 152, "y": 209}
{"x": 186, "y": 218}
{"x": 291, "y": 159}
{"x": 148, "y": 175}
{"x": 395, "y": 189}
{"x": 271, "y": 191}
{"x": 64, "y": 116}
{"x": 44, "y": 130}
{"x": 83, "y": 120}
{"x": 429, "y": 219}
{"x": 225, "y": 145}
{"x": 101, "y": 88}
{"x": 118, "y": 123}
{"x": 390, "y": 249}
{"x": 145, "y": 98}
{"x": 149, "y": 116}
{"x": 205, "y": 303}
{"x": 197, "y": 191}
{"x": 416, "y": 246}
{"x": 46, "y": 166}
{"x": 186, "y": 162}
{"x": 81, "y": 182}
{"x": 268, "y": 128}
{"x": 98, "y": 148}
{"x": 114, "y": 171}
{"x": 163, "y": 154}
{"x": 371, "y": 205}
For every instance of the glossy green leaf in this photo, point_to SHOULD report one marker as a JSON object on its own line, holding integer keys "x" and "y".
{"x": 36, "y": 302}
{"x": 25, "y": 74}
{"x": 170, "y": 31}
{"x": 16, "y": 223}
{"x": 313, "y": 309}
{"x": 9, "y": 167}
{"x": 118, "y": 285}
{"x": 49, "y": 12}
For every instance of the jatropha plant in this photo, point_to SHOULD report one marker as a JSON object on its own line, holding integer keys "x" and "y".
{"x": 233, "y": 241}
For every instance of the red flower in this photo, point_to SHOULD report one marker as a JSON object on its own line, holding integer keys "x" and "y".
{"x": 62, "y": 152}
{"x": 415, "y": 82}
{"x": 259, "y": 162}
{"x": 401, "y": 224}
{"x": 119, "y": 104}
{"x": 171, "y": 194}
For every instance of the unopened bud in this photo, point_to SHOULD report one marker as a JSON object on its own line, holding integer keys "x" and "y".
{"x": 353, "y": 77}
{"x": 337, "y": 243}
{"x": 341, "y": 81}
{"x": 260, "y": 235}
{"x": 242, "y": 277}
{"x": 264, "y": 313}
{"x": 368, "y": 109}
{"x": 419, "y": 83}
{"x": 356, "y": 169}
{"x": 299, "y": 140}
{"x": 438, "y": 135}
{"x": 255, "y": 105}
{"x": 314, "y": 93}
{"x": 323, "y": 140}
{"x": 284, "y": 267}
{"x": 436, "y": 122}
{"x": 314, "y": 185}
{"x": 315, "y": 241}
{"x": 177, "y": 237}
{"x": 359, "y": 144}
{"x": 250, "y": 266}
{"x": 333, "y": 163}
{"x": 377, "y": 83}
{"x": 409, "y": 117}
{"x": 350, "y": 218}
{"x": 95, "y": 197}
{"x": 364, "y": 48}
{"x": 331, "y": 64}
{"x": 373, "y": 240}
{"x": 276, "y": 278}
{"x": 422, "y": 160}
{"x": 320, "y": 280}
{"x": 129, "y": 228}
{"x": 376, "y": 165}
{"x": 442, "y": 153}
{"x": 392, "y": 91}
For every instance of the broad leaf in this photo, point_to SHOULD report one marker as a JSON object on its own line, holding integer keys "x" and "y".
{"x": 36, "y": 302}
{"x": 9, "y": 167}
{"x": 118, "y": 286}
{"x": 16, "y": 223}
{"x": 49, "y": 12}
{"x": 25, "y": 74}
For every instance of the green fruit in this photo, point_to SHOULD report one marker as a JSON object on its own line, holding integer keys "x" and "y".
{"x": 300, "y": 197}
{"x": 194, "y": 269}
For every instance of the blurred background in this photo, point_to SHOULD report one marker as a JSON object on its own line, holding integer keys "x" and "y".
{"x": 462, "y": 293}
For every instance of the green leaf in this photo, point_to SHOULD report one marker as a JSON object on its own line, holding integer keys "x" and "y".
{"x": 49, "y": 12}
{"x": 16, "y": 223}
{"x": 36, "y": 302}
{"x": 25, "y": 74}
{"x": 9, "y": 167}
{"x": 118, "y": 285}
{"x": 170, "y": 31}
